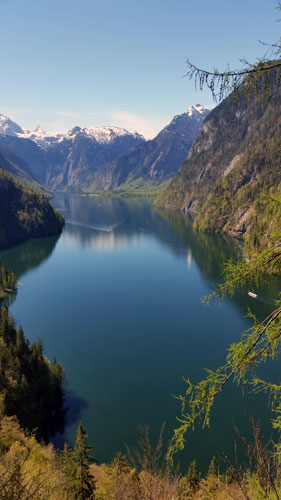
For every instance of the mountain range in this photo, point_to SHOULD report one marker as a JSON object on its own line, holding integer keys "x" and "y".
{"x": 100, "y": 158}
{"x": 61, "y": 161}
{"x": 155, "y": 161}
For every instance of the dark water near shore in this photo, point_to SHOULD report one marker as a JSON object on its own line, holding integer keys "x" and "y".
{"x": 117, "y": 299}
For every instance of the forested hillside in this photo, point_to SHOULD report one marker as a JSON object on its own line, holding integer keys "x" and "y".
{"x": 233, "y": 171}
{"x": 33, "y": 471}
{"x": 24, "y": 214}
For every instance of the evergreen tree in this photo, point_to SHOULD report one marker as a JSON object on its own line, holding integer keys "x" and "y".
{"x": 31, "y": 388}
{"x": 84, "y": 483}
{"x": 213, "y": 467}
{"x": 193, "y": 476}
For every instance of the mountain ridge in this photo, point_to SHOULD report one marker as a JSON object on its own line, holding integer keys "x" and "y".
{"x": 66, "y": 160}
{"x": 156, "y": 160}
{"x": 20, "y": 170}
{"x": 103, "y": 158}
{"x": 229, "y": 169}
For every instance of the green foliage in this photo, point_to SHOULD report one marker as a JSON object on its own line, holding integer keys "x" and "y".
{"x": 28, "y": 470}
{"x": 256, "y": 79}
{"x": 83, "y": 483}
{"x": 8, "y": 282}
{"x": 193, "y": 476}
{"x": 247, "y": 272}
{"x": 256, "y": 346}
{"x": 243, "y": 358}
{"x": 33, "y": 471}
{"x": 31, "y": 388}
{"x": 140, "y": 186}
{"x": 24, "y": 214}
{"x": 213, "y": 467}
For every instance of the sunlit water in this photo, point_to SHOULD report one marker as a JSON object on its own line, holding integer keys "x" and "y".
{"x": 117, "y": 299}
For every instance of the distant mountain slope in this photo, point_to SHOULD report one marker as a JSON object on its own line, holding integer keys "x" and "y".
{"x": 67, "y": 160}
{"x": 230, "y": 168}
{"x": 103, "y": 158}
{"x": 156, "y": 160}
{"x": 75, "y": 158}
{"x": 19, "y": 169}
{"x": 24, "y": 214}
{"x": 29, "y": 152}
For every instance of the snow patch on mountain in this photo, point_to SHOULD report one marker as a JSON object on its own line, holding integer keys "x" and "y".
{"x": 102, "y": 135}
{"x": 8, "y": 127}
{"x": 196, "y": 109}
{"x": 38, "y": 130}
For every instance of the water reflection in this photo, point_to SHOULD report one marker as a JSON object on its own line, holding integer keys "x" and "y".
{"x": 106, "y": 223}
{"x": 109, "y": 224}
{"x": 98, "y": 240}
{"x": 210, "y": 252}
{"x": 101, "y": 214}
{"x": 29, "y": 255}
{"x": 189, "y": 257}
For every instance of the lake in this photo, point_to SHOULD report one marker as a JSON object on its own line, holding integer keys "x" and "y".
{"x": 117, "y": 299}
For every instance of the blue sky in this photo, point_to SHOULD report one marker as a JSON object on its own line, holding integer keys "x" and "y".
{"x": 120, "y": 62}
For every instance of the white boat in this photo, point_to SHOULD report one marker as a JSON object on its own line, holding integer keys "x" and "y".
{"x": 254, "y": 295}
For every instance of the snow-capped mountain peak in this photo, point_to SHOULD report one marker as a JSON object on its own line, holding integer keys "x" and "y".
{"x": 108, "y": 134}
{"x": 103, "y": 135}
{"x": 8, "y": 127}
{"x": 39, "y": 131}
{"x": 198, "y": 108}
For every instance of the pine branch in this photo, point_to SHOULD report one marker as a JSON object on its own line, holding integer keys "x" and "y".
{"x": 241, "y": 357}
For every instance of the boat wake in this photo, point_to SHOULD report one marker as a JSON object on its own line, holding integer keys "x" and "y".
{"x": 105, "y": 228}
{"x": 261, "y": 298}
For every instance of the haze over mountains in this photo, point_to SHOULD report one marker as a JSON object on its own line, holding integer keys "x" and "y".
{"x": 100, "y": 157}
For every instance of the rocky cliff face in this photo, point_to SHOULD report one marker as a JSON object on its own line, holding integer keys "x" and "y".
{"x": 156, "y": 160}
{"x": 74, "y": 160}
{"x": 230, "y": 165}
